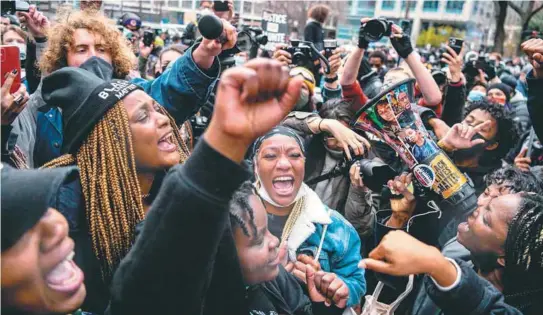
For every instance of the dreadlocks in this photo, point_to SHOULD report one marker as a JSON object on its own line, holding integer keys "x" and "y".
{"x": 523, "y": 274}
{"x": 241, "y": 212}
{"x": 113, "y": 199}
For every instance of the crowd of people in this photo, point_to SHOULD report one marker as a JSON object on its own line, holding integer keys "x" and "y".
{"x": 151, "y": 178}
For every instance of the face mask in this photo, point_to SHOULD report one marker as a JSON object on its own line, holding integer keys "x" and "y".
{"x": 469, "y": 153}
{"x": 22, "y": 51}
{"x": 302, "y": 100}
{"x": 206, "y": 11}
{"x": 485, "y": 262}
{"x": 474, "y": 96}
{"x": 239, "y": 60}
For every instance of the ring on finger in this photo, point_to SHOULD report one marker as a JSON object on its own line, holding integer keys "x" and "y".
{"x": 18, "y": 99}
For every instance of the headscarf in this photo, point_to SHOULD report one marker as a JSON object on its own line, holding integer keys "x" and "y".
{"x": 279, "y": 130}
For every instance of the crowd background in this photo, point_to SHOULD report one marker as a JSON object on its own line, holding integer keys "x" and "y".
{"x": 145, "y": 172}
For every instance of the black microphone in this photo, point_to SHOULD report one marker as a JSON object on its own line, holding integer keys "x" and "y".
{"x": 210, "y": 26}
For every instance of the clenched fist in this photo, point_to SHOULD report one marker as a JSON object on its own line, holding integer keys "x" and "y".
{"x": 250, "y": 101}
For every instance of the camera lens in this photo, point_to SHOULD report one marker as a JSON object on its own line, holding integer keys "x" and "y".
{"x": 299, "y": 58}
{"x": 374, "y": 30}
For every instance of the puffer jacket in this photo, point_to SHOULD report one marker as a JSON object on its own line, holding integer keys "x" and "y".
{"x": 520, "y": 114}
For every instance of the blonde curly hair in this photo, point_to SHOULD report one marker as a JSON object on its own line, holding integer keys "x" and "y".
{"x": 60, "y": 40}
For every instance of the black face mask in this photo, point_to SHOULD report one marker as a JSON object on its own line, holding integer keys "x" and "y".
{"x": 158, "y": 74}
{"x": 477, "y": 150}
{"x": 485, "y": 262}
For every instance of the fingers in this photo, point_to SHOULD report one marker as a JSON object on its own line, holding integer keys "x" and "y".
{"x": 231, "y": 35}
{"x": 482, "y": 126}
{"x": 282, "y": 56}
{"x": 323, "y": 284}
{"x": 300, "y": 275}
{"x": 375, "y": 265}
{"x": 347, "y": 151}
{"x": 10, "y": 77}
{"x": 292, "y": 94}
{"x": 396, "y": 30}
{"x": 24, "y": 17}
{"x": 300, "y": 266}
{"x": 289, "y": 267}
{"x": 522, "y": 153}
{"x": 451, "y": 53}
{"x": 305, "y": 259}
{"x": 341, "y": 296}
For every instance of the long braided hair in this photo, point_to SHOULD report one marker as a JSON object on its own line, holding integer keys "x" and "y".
{"x": 110, "y": 185}
{"x": 523, "y": 273}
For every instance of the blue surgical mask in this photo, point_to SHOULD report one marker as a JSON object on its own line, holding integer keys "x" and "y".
{"x": 474, "y": 96}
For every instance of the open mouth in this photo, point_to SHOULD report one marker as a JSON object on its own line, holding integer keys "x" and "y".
{"x": 166, "y": 143}
{"x": 66, "y": 276}
{"x": 283, "y": 185}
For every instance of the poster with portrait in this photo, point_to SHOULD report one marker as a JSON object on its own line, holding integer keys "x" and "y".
{"x": 390, "y": 117}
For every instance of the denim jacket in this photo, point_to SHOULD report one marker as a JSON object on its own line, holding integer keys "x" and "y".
{"x": 340, "y": 252}
{"x": 182, "y": 89}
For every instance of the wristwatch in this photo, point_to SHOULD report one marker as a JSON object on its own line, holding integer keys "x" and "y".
{"x": 331, "y": 80}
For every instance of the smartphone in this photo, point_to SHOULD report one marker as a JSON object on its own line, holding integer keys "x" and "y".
{"x": 10, "y": 7}
{"x": 10, "y": 61}
{"x": 220, "y": 6}
{"x": 456, "y": 44}
{"x": 329, "y": 46}
{"x": 148, "y": 38}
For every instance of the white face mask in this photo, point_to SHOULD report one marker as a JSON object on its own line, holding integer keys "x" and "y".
{"x": 302, "y": 100}
{"x": 239, "y": 60}
{"x": 22, "y": 50}
{"x": 206, "y": 11}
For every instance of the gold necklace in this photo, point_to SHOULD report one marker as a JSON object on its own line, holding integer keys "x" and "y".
{"x": 292, "y": 218}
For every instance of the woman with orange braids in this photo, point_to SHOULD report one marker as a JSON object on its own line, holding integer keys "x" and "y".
{"x": 123, "y": 142}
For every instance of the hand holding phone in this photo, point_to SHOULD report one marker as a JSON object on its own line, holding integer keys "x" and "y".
{"x": 12, "y": 103}
{"x": 10, "y": 63}
{"x": 456, "y": 44}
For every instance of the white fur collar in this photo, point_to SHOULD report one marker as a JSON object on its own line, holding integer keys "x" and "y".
{"x": 313, "y": 212}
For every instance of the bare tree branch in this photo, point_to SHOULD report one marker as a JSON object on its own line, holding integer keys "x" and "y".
{"x": 534, "y": 12}
{"x": 515, "y": 7}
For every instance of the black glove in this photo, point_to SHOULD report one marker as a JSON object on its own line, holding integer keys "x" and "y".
{"x": 402, "y": 45}
{"x": 490, "y": 71}
{"x": 362, "y": 42}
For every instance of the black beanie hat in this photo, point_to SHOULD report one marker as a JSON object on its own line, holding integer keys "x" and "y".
{"x": 84, "y": 98}
{"x": 509, "y": 80}
{"x": 503, "y": 87}
{"x": 26, "y": 195}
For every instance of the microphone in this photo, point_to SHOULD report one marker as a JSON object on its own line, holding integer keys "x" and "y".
{"x": 210, "y": 26}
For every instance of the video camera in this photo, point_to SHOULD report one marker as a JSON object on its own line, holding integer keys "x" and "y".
{"x": 471, "y": 68}
{"x": 304, "y": 54}
{"x": 374, "y": 29}
{"x": 250, "y": 39}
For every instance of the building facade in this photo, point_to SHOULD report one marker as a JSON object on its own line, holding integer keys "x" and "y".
{"x": 476, "y": 17}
